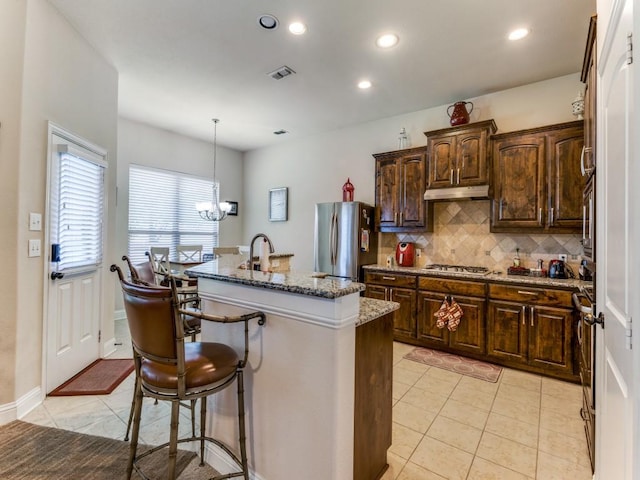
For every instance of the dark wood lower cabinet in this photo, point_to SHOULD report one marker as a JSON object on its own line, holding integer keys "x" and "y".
{"x": 532, "y": 336}
{"x": 468, "y": 337}
{"x": 525, "y": 327}
{"x": 373, "y": 400}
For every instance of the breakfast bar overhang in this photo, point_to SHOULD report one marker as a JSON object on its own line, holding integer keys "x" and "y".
{"x": 318, "y": 383}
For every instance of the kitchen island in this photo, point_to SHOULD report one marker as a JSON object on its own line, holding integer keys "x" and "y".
{"x": 318, "y": 382}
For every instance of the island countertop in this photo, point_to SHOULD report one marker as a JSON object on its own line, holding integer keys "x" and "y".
{"x": 303, "y": 283}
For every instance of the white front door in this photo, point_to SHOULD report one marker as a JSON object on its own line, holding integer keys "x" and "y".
{"x": 75, "y": 215}
{"x": 615, "y": 418}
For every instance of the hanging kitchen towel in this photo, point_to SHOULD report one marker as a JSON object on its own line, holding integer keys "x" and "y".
{"x": 441, "y": 315}
{"x": 454, "y": 314}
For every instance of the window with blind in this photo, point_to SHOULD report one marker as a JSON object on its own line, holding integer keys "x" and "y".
{"x": 162, "y": 211}
{"x": 78, "y": 207}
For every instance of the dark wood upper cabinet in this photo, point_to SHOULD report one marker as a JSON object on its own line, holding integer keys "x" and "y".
{"x": 537, "y": 184}
{"x": 589, "y": 78}
{"x": 401, "y": 179}
{"x": 458, "y": 155}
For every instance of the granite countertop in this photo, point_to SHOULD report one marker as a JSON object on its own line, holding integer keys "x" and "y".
{"x": 303, "y": 283}
{"x": 371, "y": 308}
{"x": 573, "y": 283}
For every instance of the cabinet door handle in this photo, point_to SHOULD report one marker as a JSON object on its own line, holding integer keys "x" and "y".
{"x": 401, "y": 218}
{"x": 458, "y": 181}
{"x": 395, "y": 218}
{"x": 584, "y": 223}
{"x": 582, "y": 162}
{"x": 524, "y": 292}
{"x": 389, "y": 278}
{"x": 451, "y": 177}
{"x": 531, "y": 314}
{"x": 551, "y": 216}
{"x": 524, "y": 313}
{"x": 540, "y": 216}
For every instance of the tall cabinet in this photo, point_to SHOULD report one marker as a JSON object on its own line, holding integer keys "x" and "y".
{"x": 537, "y": 182}
{"x": 401, "y": 179}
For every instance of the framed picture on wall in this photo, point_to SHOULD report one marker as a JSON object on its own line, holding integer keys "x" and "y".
{"x": 278, "y": 203}
{"x": 234, "y": 207}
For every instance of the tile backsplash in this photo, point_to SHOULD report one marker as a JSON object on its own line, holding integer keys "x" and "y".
{"x": 461, "y": 236}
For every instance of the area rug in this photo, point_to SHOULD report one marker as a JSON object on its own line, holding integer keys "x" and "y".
{"x": 455, "y": 363}
{"x": 34, "y": 452}
{"x": 99, "y": 378}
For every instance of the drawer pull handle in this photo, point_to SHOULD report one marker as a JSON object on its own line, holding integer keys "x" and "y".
{"x": 524, "y": 292}
{"x": 388, "y": 278}
{"x": 524, "y": 312}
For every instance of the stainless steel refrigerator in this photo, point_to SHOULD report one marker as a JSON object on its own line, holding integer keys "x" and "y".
{"x": 345, "y": 239}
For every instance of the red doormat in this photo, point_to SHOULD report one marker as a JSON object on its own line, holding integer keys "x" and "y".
{"x": 456, "y": 363}
{"x": 99, "y": 378}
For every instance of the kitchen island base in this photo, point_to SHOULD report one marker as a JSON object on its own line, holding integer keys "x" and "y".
{"x": 301, "y": 397}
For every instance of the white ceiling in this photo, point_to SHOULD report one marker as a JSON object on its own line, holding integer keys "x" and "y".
{"x": 183, "y": 62}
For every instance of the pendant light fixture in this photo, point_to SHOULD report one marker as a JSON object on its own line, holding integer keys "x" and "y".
{"x": 214, "y": 211}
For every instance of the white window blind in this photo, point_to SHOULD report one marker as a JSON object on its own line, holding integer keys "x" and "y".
{"x": 162, "y": 211}
{"x": 77, "y": 220}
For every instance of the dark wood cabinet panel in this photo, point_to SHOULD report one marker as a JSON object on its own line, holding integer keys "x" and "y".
{"x": 373, "y": 397}
{"x": 470, "y": 333}
{"x": 506, "y": 332}
{"x": 401, "y": 179}
{"x": 405, "y": 319}
{"x": 551, "y": 334}
{"x": 565, "y": 180}
{"x": 519, "y": 186}
{"x": 537, "y": 183}
{"x": 382, "y": 287}
{"x": 458, "y": 155}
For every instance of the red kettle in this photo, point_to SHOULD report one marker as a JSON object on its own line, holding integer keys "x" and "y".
{"x": 405, "y": 254}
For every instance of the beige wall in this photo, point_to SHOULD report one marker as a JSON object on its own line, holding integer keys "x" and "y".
{"x": 142, "y": 144}
{"x": 54, "y": 75}
{"x": 315, "y": 168}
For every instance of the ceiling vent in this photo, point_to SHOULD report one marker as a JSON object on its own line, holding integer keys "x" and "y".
{"x": 281, "y": 72}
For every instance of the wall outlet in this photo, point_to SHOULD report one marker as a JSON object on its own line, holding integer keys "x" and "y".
{"x": 563, "y": 257}
{"x": 418, "y": 252}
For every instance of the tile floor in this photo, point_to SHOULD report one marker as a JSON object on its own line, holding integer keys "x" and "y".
{"x": 445, "y": 425}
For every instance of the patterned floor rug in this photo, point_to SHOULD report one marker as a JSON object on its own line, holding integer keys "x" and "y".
{"x": 456, "y": 363}
{"x": 99, "y": 378}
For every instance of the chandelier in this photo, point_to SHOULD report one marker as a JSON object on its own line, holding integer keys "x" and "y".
{"x": 215, "y": 210}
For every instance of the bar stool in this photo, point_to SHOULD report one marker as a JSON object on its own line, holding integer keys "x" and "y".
{"x": 170, "y": 369}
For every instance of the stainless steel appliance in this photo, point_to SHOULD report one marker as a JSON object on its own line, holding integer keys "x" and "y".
{"x": 459, "y": 269}
{"x": 584, "y": 303}
{"x": 557, "y": 269}
{"x": 345, "y": 239}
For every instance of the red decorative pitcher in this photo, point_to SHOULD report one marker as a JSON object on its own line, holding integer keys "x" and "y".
{"x": 347, "y": 191}
{"x": 460, "y": 115}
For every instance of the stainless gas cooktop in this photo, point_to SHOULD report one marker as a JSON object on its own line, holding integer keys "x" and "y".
{"x": 468, "y": 269}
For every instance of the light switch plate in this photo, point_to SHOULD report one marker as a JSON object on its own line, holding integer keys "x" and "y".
{"x": 34, "y": 247}
{"x": 35, "y": 221}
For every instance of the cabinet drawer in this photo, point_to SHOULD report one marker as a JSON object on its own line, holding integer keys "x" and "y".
{"x": 526, "y": 294}
{"x": 454, "y": 287}
{"x": 391, "y": 279}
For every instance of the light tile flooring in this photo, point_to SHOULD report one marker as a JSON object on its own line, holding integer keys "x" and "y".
{"x": 445, "y": 425}
{"x": 450, "y": 426}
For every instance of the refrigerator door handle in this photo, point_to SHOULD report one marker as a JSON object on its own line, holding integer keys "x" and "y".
{"x": 333, "y": 233}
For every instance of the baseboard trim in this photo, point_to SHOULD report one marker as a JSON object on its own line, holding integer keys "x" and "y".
{"x": 18, "y": 409}
{"x": 221, "y": 462}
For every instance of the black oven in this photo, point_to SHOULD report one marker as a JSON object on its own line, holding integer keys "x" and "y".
{"x": 585, "y": 303}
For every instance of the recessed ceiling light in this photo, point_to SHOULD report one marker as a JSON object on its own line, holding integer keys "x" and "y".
{"x": 364, "y": 84}
{"x": 268, "y": 22}
{"x": 387, "y": 40}
{"x": 297, "y": 28}
{"x": 518, "y": 34}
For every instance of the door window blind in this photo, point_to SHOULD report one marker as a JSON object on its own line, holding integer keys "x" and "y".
{"x": 77, "y": 223}
{"x": 162, "y": 211}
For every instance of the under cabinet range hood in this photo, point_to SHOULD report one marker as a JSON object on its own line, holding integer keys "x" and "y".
{"x": 458, "y": 193}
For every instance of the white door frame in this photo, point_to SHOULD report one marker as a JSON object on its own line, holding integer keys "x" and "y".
{"x": 52, "y": 130}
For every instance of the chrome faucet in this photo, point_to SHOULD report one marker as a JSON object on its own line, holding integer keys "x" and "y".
{"x": 259, "y": 235}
